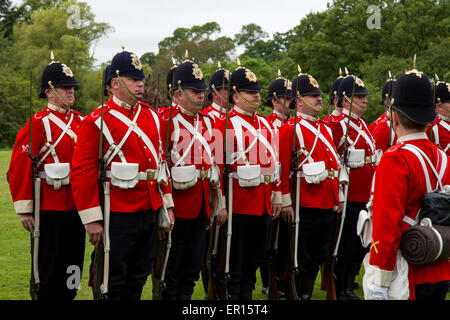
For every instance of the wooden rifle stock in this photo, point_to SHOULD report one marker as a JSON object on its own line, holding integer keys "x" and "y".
{"x": 291, "y": 271}
{"x": 158, "y": 286}
{"x": 163, "y": 245}
{"x": 97, "y": 266}
{"x": 34, "y": 243}
{"x": 274, "y": 291}
{"x": 328, "y": 278}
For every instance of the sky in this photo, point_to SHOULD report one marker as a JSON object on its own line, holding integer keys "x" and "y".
{"x": 140, "y": 24}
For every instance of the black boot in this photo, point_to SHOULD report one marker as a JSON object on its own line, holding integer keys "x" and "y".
{"x": 306, "y": 283}
{"x": 246, "y": 296}
{"x": 184, "y": 296}
{"x": 349, "y": 290}
{"x": 341, "y": 288}
{"x": 234, "y": 296}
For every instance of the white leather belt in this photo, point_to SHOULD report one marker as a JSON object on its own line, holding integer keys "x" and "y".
{"x": 331, "y": 174}
{"x": 264, "y": 178}
{"x": 150, "y": 174}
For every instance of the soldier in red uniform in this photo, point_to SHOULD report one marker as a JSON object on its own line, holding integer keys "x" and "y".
{"x": 359, "y": 157}
{"x": 381, "y": 129}
{"x": 218, "y": 91}
{"x": 386, "y": 95}
{"x": 195, "y": 180}
{"x": 60, "y": 234}
{"x": 319, "y": 185}
{"x": 134, "y": 163}
{"x": 279, "y": 98}
{"x": 440, "y": 130}
{"x": 399, "y": 186}
{"x": 253, "y": 160}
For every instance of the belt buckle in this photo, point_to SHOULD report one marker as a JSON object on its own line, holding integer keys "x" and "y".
{"x": 331, "y": 174}
{"x": 368, "y": 159}
{"x": 203, "y": 174}
{"x": 150, "y": 175}
{"x": 267, "y": 179}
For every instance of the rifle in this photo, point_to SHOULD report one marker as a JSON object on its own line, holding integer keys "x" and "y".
{"x": 272, "y": 253}
{"x": 35, "y": 283}
{"x": 390, "y": 109}
{"x": 328, "y": 277}
{"x": 220, "y": 237}
{"x": 100, "y": 265}
{"x": 292, "y": 267}
{"x": 157, "y": 92}
{"x": 163, "y": 245}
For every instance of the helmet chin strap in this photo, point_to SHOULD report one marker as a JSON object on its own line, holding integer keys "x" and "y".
{"x": 218, "y": 93}
{"x": 189, "y": 99}
{"x": 307, "y": 103}
{"x": 354, "y": 103}
{"x": 250, "y": 104}
{"x": 123, "y": 85}
{"x": 52, "y": 88}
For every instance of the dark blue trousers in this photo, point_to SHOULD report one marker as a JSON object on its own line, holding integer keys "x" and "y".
{"x": 186, "y": 257}
{"x": 133, "y": 251}
{"x": 248, "y": 244}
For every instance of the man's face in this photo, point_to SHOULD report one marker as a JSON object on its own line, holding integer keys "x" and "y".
{"x": 67, "y": 93}
{"x": 194, "y": 100}
{"x": 315, "y": 101}
{"x": 221, "y": 98}
{"x": 136, "y": 87}
{"x": 282, "y": 105}
{"x": 253, "y": 97}
{"x": 443, "y": 109}
{"x": 360, "y": 101}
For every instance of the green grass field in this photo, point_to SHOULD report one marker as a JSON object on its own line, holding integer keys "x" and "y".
{"x": 15, "y": 255}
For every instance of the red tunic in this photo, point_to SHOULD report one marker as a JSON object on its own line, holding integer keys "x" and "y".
{"x": 214, "y": 111}
{"x": 374, "y": 124}
{"x": 20, "y": 168}
{"x": 324, "y": 195}
{"x": 251, "y": 200}
{"x": 440, "y": 134}
{"x": 189, "y": 202}
{"x": 276, "y": 120}
{"x": 381, "y": 135}
{"x": 145, "y": 195}
{"x": 399, "y": 186}
{"x": 360, "y": 178}
{"x": 331, "y": 118}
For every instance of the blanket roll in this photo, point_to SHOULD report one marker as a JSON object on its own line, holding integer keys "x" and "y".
{"x": 424, "y": 244}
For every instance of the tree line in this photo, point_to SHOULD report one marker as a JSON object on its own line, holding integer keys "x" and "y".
{"x": 321, "y": 43}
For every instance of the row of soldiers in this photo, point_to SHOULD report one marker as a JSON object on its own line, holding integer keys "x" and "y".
{"x": 187, "y": 177}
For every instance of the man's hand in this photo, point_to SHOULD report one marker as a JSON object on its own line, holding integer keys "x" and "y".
{"x": 287, "y": 214}
{"x": 27, "y": 221}
{"x": 172, "y": 219}
{"x": 95, "y": 232}
{"x": 276, "y": 209}
{"x": 221, "y": 217}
